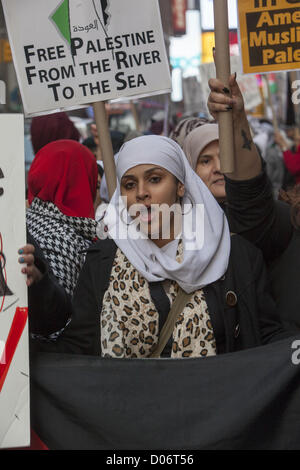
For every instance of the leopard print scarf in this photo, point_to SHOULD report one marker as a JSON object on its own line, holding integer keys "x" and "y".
{"x": 130, "y": 321}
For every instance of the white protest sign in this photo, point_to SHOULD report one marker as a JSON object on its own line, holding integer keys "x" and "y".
{"x": 14, "y": 362}
{"x": 281, "y": 95}
{"x": 193, "y": 96}
{"x": 69, "y": 53}
{"x": 247, "y": 83}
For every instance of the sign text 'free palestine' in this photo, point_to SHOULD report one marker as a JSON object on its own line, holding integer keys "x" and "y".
{"x": 70, "y": 53}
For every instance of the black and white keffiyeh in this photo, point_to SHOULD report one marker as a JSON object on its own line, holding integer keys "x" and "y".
{"x": 63, "y": 240}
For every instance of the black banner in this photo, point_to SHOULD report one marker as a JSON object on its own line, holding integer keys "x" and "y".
{"x": 245, "y": 400}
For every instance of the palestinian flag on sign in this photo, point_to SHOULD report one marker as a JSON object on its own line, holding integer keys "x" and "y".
{"x": 61, "y": 17}
{"x": 105, "y": 12}
{"x": 101, "y": 8}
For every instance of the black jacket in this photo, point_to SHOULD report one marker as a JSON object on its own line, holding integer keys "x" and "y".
{"x": 48, "y": 303}
{"x": 253, "y": 213}
{"x": 242, "y": 312}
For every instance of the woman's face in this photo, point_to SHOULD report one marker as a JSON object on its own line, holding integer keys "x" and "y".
{"x": 150, "y": 191}
{"x": 208, "y": 168}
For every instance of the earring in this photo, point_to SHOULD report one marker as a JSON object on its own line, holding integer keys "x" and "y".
{"x": 192, "y": 204}
{"x": 121, "y": 217}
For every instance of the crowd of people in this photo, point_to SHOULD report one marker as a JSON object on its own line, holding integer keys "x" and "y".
{"x": 105, "y": 277}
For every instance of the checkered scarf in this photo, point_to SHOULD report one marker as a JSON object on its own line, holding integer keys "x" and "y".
{"x": 63, "y": 240}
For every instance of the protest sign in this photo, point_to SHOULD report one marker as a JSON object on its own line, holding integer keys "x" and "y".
{"x": 73, "y": 53}
{"x": 207, "y": 15}
{"x": 14, "y": 368}
{"x": 247, "y": 83}
{"x": 294, "y": 78}
{"x": 194, "y": 101}
{"x": 269, "y": 35}
{"x": 281, "y": 96}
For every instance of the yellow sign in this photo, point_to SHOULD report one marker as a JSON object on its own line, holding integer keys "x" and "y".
{"x": 208, "y": 42}
{"x": 5, "y": 52}
{"x": 269, "y": 35}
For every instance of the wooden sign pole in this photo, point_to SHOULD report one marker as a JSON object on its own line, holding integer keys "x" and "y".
{"x": 222, "y": 61}
{"x": 166, "y": 118}
{"x": 135, "y": 116}
{"x": 106, "y": 146}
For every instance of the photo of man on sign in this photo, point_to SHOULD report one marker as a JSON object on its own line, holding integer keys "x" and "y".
{"x": 4, "y": 290}
{"x": 14, "y": 354}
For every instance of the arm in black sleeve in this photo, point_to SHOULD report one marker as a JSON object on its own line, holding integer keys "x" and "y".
{"x": 49, "y": 305}
{"x": 271, "y": 326}
{"x": 82, "y": 335}
{"x": 253, "y": 213}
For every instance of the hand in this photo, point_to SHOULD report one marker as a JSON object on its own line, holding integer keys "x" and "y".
{"x": 27, "y": 256}
{"x": 280, "y": 140}
{"x": 223, "y": 99}
{"x": 95, "y": 134}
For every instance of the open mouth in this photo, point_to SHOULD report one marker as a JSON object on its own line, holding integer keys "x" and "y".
{"x": 219, "y": 181}
{"x": 146, "y": 214}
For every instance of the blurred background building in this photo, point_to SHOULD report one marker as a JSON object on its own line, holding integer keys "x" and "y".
{"x": 188, "y": 27}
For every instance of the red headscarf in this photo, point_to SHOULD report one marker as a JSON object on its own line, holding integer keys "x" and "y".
{"x": 51, "y": 127}
{"x": 65, "y": 173}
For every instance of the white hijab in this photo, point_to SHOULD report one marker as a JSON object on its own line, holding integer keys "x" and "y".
{"x": 206, "y": 249}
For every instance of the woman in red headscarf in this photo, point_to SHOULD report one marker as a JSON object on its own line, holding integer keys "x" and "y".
{"x": 51, "y": 127}
{"x": 62, "y": 185}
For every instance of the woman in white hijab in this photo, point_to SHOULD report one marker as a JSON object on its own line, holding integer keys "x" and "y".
{"x": 134, "y": 275}
{"x": 167, "y": 179}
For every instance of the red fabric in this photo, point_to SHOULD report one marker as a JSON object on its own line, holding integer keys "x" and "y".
{"x": 292, "y": 162}
{"x": 65, "y": 173}
{"x": 36, "y": 443}
{"x": 51, "y": 127}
